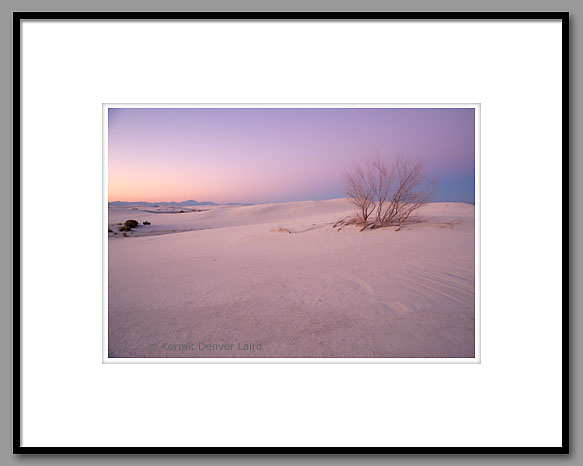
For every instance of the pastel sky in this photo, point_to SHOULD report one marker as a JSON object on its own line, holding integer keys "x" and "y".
{"x": 262, "y": 155}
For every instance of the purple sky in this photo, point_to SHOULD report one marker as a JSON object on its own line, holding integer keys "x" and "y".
{"x": 265, "y": 155}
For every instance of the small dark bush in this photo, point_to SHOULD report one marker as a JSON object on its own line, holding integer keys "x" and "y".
{"x": 124, "y": 234}
{"x": 146, "y": 223}
{"x": 109, "y": 230}
{"x": 124, "y": 228}
{"x": 131, "y": 224}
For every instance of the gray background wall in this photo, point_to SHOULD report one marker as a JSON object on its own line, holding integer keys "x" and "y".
{"x": 575, "y": 7}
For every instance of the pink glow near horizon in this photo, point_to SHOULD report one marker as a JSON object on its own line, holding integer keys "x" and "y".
{"x": 274, "y": 155}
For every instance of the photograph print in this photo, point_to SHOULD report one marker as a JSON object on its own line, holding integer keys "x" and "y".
{"x": 286, "y": 232}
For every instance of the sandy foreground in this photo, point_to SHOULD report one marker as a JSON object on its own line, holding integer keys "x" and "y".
{"x": 275, "y": 280}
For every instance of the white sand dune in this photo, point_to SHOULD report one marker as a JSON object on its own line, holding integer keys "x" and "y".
{"x": 278, "y": 275}
{"x": 196, "y": 218}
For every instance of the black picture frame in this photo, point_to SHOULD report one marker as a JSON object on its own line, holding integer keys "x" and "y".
{"x": 18, "y": 17}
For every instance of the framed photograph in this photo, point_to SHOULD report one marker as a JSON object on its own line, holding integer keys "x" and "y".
{"x": 316, "y": 225}
{"x": 298, "y": 183}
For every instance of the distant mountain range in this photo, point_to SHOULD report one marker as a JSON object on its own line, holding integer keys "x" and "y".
{"x": 182, "y": 203}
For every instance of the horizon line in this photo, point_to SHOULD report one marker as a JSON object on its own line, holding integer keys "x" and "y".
{"x": 263, "y": 203}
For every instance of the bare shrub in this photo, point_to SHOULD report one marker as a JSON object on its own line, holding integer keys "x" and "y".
{"x": 360, "y": 190}
{"x": 386, "y": 194}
